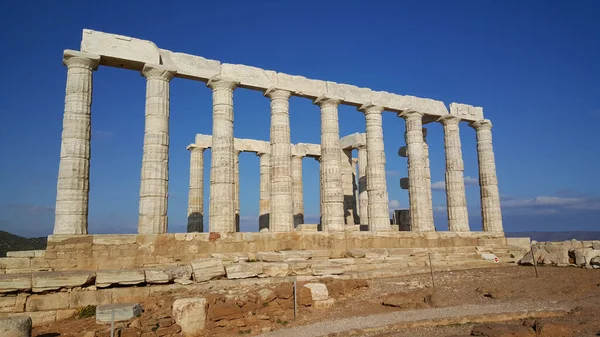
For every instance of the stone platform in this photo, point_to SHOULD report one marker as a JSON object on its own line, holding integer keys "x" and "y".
{"x": 101, "y": 252}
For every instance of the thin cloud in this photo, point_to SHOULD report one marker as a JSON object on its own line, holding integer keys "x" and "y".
{"x": 31, "y": 208}
{"x": 544, "y": 205}
{"x": 392, "y": 173}
{"x": 394, "y": 204}
{"x": 441, "y": 185}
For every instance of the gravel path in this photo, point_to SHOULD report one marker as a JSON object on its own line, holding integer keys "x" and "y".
{"x": 381, "y": 320}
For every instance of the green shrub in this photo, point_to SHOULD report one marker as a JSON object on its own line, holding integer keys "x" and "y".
{"x": 89, "y": 311}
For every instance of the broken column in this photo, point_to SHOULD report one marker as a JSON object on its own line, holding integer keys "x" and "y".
{"x": 265, "y": 191}
{"x": 155, "y": 159}
{"x": 332, "y": 201}
{"x": 488, "y": 182}
{"x": 417, "y": 175}
{"x": 222, "y": 178}
{"x": 196, "y": 192}
{"x": 379, "y": 215}
{"x": 281, "y": 218}
{"x": 298, "y": 196}
{"x": 73, "y": 186}
{"x": 456, "y": 200}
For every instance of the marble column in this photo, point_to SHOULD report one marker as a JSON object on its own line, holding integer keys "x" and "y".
{"x": 363, "y": 195}
{"x": 379, "y": 215}
{"x": 222, "y": 168}
{"x": 155, "y": 159}
{"x": 237, "y": 190}
{"x": 417, "y": 173}
{"x": 333, "y": 196}
{"x": 281, "y": 218}
{"x": 427, "y": 178}
{"x": 298, "y": 194}
{"x": 265, "y": 192}
{"x": 355, "y": 190}
{"x": 456, "y": 200}
{"x": 348, "y": 186}
{"x": 196, "y": 192}
{"x": 73, "y": 186}
{"x": 488, "y": 182}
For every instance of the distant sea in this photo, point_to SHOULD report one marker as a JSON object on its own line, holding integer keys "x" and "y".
{"x": 556, "y": 236}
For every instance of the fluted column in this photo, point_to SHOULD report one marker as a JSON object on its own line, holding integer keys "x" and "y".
{"x": 222, "y": 167}
{"x": 348, "y": 186}
{"x": 332, "y": 213}
{"x": 427, "y": 178}
{"x": 155, "y": 160}
{"x": 363, "y": 195}
{"x": 265, "y": 191}
{"x": 196, "y": 192}
{"x": 236, "y": 170}
{"x": 488, "y": 182}
{"x": 417, "y": 173}
{"x": 379, "y": 215}
{"x": 355, "y": 190}
{"x": 456, "y": 200}
{"x": 298, "y": 194}
{"x": 73, "y": 186}
{"x": 281, "y": 218}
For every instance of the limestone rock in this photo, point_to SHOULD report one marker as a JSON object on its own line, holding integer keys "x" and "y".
{"x": 53, "y": 280}
{"x": 409, "y": 300}
{"x": 266, "y": 295}
{"x": 325, "y": 304}
{"x": 539, "y": 254}
{"x": 158, "y": 275}
{"x": 557, "y": 253}
{"x": 15, "y": 282}
{"x": 207, "y": 269}
{"x": 106, "y": 278}
{"x": 497, "y": 329}
{"x": 596, "y": 245}
{"x": 182, "y": 274}
{"x": 318, "y": 291}
{"x": 275, "y": 270}
{"x": 122, "y": 312}
{"x": 190, "y": 314}
{"x": 327, "y": 269}
{"x": 269, "y": 256}
{"x": 243, "y": 270}
{"x": 296, "y": 255}
{"x": 595, "y": 262}
{"x": 18, "y": 326}
{"x": 488, "y": 256}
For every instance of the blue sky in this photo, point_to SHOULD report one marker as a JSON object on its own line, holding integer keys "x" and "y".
{"x": 534, "y": 67}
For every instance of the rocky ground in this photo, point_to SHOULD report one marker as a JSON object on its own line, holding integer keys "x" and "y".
{"x": 508, "y": 287}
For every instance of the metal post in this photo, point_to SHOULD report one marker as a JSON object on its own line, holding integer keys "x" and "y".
{"x": 534, "y": 261}
{"x": 112, "y": 323}
{"x": 295, "y": 300}
{"x": 431, "y": 269}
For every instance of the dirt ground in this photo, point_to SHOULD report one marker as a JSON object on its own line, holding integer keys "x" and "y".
{"x": 575, "y": 288}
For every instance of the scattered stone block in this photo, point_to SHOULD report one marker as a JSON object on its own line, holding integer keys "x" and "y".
{"x": 275, "y": 270}
{"x": 488, "y": 256}
{"x": 190, "y": 315}
{"x": 207, "y": 269}
{"x": 18, "y": 326}
{"x": 122, "y": 312}
{"x": 158, "y": 275}
{"x": 15, "y": 282}
{"x": 318, "y": 291}
{"x": 243, "y": 270}
{"x": 106, "y": 278}
{"x": 54, "y": 280}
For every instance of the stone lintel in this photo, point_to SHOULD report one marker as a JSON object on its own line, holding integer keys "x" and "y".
{"x": 257, "y": 146}
{"x": 466, "y": 112}
{"x": 353, "y": 141}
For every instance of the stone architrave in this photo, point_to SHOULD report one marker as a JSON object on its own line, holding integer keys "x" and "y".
{"x": 281, "y": 218}
{"x": 363, "y": 195}
{"x": 196, "y": 191}
{"x": 265, "y": 191}
{"x": 155, "y": 159}
{"x": 236, "y": 170}
{"x": 427, "y": 177}
{"x": 379, "y": 215}
{"x": 298, "y": 195}
{"x": 348, "y": 186}
{"x": 417, "y": 173}
{"x": 73, "y": 186}
{"x": 456, "y": 200}
{"x": 332, "y": 212}
{"x": 222, "y": 168}
{"x": 488, "y": 182}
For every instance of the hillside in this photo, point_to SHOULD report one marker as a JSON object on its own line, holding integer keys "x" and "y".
{"x": 557, "y": 236}
{"x": 10, "y": 242}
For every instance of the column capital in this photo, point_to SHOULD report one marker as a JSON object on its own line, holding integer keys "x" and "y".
{"x": 411, "y": 114}
{"x": 194, "y": 147}
{"x": 158, "y": 72}
{"x": 369, "y": 109}
{"x": 325, "y": 100}
{"x": 484, "y": 124}
{"x": 72, "y": 58}
{"x": 274, "y": 93}
{"x": 449, "y": 120}
{"x": 222, "y": 83}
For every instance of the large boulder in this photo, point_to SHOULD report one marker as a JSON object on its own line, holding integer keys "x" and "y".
{"x": 539, "y": 254}
{"x": 557, "y": 253}
{"x": 190, "y": 314}
{"x": 584, "y": 256}
{"x": 19, "y": 326}
{"x": 595, "y": 262}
